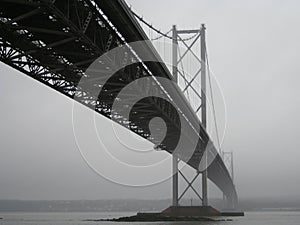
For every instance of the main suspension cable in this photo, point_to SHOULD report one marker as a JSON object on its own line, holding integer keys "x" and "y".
{"x": 140, "y": 18}
{"x": 150, "y": 26}
{"x": 161, "y": 36}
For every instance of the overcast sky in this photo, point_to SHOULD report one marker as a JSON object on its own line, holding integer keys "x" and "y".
{"x": 254, "y": 50}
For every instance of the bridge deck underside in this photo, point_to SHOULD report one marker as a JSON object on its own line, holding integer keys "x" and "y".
{"x": 54, "y": 42}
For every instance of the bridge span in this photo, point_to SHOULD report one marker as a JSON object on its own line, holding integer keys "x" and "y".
{"x": 55, "y": 42}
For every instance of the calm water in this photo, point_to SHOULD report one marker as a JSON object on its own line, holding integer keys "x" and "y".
{"x": 251, "y": 218}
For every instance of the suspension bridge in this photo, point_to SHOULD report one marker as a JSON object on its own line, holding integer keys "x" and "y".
{"x": 56, "y": 41}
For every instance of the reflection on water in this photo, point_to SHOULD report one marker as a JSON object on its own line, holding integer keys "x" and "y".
{"x": 251, "y": 218}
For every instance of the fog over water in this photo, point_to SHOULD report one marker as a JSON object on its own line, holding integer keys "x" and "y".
{"x": 253, "y": 49}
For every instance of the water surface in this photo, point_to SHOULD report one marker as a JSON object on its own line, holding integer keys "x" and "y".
{"x": 251, "y": 218}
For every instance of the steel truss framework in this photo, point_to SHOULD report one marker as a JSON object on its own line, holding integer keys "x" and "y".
{"x": 55, "y": 41}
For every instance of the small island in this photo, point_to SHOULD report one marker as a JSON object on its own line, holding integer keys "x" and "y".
{"x": 156, "y": 217}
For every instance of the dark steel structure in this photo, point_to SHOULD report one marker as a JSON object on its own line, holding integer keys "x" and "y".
{"x": 55, "y": 41}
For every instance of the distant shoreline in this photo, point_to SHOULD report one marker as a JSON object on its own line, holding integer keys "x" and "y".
{"x": 133, "y": 205}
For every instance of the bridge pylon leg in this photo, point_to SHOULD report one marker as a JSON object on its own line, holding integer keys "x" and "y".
{"x": 203, "y": 108}
{"x": 175, "y": 181}
{"x": 175, "y": 76}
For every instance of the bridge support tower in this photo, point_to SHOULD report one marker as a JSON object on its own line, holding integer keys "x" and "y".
{"x": 227, "y": 157}
{"x": 199, "y": 35}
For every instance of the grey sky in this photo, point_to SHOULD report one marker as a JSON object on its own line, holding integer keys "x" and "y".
{"x": 253, "y": 51}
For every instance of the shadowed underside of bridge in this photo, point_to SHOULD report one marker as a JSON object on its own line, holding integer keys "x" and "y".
{"x": 54, "y": 42}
